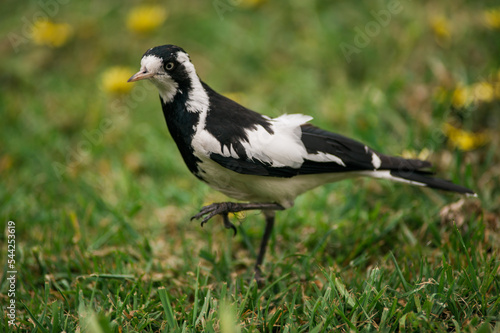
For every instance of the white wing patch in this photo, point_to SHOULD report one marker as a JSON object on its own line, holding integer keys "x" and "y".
{"x": 284, "y": 147}
{"x": 324, "y": 157}
{"x": 376, "y": 161}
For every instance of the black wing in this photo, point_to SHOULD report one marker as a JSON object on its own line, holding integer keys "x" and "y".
{"x": 354, "y": 155}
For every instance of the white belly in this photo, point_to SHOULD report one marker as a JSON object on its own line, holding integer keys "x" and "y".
{"x": 263, "y": 189}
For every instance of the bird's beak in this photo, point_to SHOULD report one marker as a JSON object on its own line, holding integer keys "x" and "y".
{"x": 140, "y": 75}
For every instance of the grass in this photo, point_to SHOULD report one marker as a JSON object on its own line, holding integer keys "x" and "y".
{"x": 101, "y": 200}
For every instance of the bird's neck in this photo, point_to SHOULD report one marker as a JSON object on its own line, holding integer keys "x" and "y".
{"x": 186, "y": 107}
{"x": 179, "y": 119}
{"x": 182, "y": 122}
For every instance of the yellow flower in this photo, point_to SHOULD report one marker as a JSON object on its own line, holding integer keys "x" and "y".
{"x": 441, "y": 27}
{"x": 461, "y": 97}
{"x": 464, "y": 140}
{"x": 492, "y": 18}
{"x": 483, "y": 91}
{"x": 51, "y": 34}
{"x": 114, "y": 80}
{"x": 144, "y": 19}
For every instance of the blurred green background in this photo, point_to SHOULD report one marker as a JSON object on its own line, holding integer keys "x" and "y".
{"x": 95, "y": 184}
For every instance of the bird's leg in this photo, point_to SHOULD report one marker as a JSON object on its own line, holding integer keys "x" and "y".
{"x": 224, "y": 208}
{"x": 269, "y": 215}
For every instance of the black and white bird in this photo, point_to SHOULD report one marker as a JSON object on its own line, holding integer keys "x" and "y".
{"x": 263, "y": 162}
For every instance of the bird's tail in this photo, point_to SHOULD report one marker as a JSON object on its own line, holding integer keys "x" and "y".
{"x": 425, "y": 179}
{"x": 410, "y": 171}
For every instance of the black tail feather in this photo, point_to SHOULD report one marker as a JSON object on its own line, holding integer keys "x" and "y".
{"x": 436, "y": 183}
{"x": 396, "y": 163}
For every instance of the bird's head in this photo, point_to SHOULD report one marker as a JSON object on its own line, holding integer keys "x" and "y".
{"x": 169, "y": 68}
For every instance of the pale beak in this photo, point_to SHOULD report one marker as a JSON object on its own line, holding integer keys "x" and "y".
{"x": 140, "y": 75}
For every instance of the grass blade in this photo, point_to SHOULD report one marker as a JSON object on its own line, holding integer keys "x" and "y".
{"x": 167, "y": 308}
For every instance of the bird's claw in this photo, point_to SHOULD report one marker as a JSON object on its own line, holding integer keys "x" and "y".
{"x": 212, "y": 210}
{"x": 228, "y": 224}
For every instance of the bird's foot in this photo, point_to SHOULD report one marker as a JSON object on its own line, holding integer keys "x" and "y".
{"x": 222, "y": 208}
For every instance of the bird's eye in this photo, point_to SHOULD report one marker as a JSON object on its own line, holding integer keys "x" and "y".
{"x": 169, "y": 66}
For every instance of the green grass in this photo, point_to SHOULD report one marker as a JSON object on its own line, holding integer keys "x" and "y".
{"x": 102, "y": 202}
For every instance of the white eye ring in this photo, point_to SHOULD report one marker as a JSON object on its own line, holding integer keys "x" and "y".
{"x": 169, "y": 66}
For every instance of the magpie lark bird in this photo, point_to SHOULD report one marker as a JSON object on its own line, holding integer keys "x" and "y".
{"x": 262, "y": 162}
